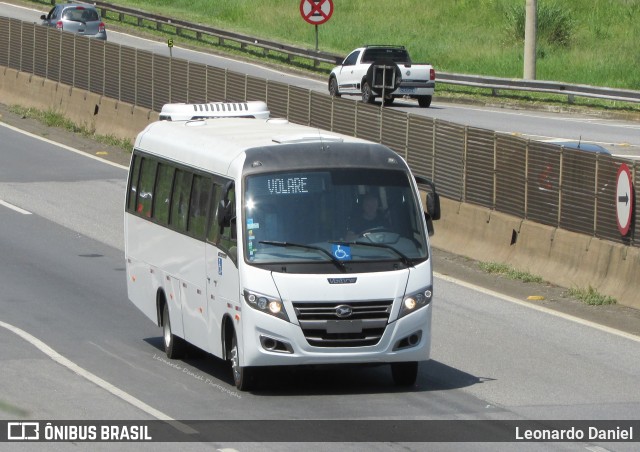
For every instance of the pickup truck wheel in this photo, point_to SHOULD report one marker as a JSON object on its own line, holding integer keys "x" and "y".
{"x": 424, "y": 101}
{"x": 367, "y": 94}
{"x": 333, "y": 87}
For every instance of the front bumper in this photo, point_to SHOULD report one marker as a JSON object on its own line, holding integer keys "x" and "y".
{"x": 407, "y": 339}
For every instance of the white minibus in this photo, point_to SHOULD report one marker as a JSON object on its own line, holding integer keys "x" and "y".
{"x": 267, "y": 243}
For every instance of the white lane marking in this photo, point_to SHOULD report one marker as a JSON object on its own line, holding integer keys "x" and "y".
{"x": 18, "y": 6}
{"x": 560, "y": 140}
{"x": 16, "y": 208}
{"x": 68, "y": 148}
{"x": 57, "y": 357}
{"x": 535, "y": 307}
{"x": 596, "y": 121}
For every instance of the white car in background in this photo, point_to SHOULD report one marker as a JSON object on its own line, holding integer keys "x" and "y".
{"x": 383, "y": 71}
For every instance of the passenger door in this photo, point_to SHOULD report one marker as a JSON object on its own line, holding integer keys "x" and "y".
{"x": 348, "y": 80}
{"x": 223, "y": 286}
{"x": 188, "y": 217}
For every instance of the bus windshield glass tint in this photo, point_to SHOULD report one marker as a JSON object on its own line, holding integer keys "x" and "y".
{"x": 358, "y": 215}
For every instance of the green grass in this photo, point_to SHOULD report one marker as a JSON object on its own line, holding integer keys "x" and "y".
{"x": 52, "y": 118}
{"x": 12, "y": 410}
{"x": 591, "y": 296}
{"x": 595, "y": 42}
{"x": 509, "y": 272}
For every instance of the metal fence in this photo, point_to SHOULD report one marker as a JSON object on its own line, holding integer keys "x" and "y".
{"x": 542, "y": 182}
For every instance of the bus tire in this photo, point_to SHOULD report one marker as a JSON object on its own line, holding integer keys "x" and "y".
{"x": 243, "y": 377}
{"x": 404, "y": 374}
{"x": 174, "y": 346}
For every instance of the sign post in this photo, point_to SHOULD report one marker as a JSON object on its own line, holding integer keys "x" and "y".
{"x": 316, "y": 12}
{"x": 170, "y": 45}
{"x": 624, "y": 199}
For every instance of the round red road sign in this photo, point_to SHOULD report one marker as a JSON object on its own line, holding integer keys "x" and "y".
{"x": 316, "y": 12}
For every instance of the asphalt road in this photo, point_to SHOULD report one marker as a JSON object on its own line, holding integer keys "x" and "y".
{"x": 495, "y": 356}
{"x": 63, "y": 283}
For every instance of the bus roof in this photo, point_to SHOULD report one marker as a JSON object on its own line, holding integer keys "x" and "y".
{"x": 182, "y": 112}
{"x": 213, "y": 144}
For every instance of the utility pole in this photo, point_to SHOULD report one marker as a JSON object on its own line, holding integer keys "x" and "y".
{"x": 530, "y": 31}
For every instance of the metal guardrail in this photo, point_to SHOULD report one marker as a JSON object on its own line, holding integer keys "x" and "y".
{"x": 541, "y": 86}
{"x": 316, "y": 57}
{"x": 180, "y": 26}
{"x": 540, "y": 182}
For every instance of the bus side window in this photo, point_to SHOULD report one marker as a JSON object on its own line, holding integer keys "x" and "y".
{"x": 180, "y": 200}
{"x": 228, "y": 236}
{"x": 147, "y": 182}
{"x": 133, "y": 182}
{"x": 198, "y": 206}
{"x": 163, "y": 193}
{"x": 213, "y": 235}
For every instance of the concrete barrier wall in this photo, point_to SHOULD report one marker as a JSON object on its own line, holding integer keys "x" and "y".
{"x": 561, "y": 257}
{"x": 104, "y": 115}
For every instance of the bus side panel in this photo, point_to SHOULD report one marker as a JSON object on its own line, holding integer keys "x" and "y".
{"x": 174, "y": 300}
{"x": 139, "y": 284}
{"x": 223, "y": 296}
{"x": 183, "y": 258}
{"x": 152, "y": 247}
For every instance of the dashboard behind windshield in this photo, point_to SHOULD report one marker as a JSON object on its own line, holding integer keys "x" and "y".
{"x": 329, "y": 215}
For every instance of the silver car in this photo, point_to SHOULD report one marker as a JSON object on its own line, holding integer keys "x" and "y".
{"x": 79, "y": 18}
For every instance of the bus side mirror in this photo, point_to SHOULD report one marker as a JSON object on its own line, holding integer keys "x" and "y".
{"x": 431, "y": 198}
{"x": 430, "y": 228}
{"x": 433, "y": 205}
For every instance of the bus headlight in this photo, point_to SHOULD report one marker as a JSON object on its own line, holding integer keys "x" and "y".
{"x": 416, "y": 300}
{"x": 264, "y": 303}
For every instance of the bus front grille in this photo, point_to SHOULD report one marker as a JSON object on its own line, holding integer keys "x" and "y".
{"x": 342, "y": 324}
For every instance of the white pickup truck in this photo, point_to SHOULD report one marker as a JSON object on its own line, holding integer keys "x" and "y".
{"x": 383, "y": 71}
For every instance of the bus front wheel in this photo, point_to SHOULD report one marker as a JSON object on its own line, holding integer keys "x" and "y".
{"x": 242, "y": 376}
{"x": 174, "y": 346}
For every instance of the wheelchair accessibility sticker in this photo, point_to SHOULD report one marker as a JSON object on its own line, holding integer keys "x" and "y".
{"x": 341, "y": 252}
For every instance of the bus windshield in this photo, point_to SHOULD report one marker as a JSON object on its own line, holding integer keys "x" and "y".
{"x": 332, "y": 215}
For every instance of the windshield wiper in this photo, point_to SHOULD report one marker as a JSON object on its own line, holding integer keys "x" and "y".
{"x": 337, "y": 262}
{"x": 404, "y": 259}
